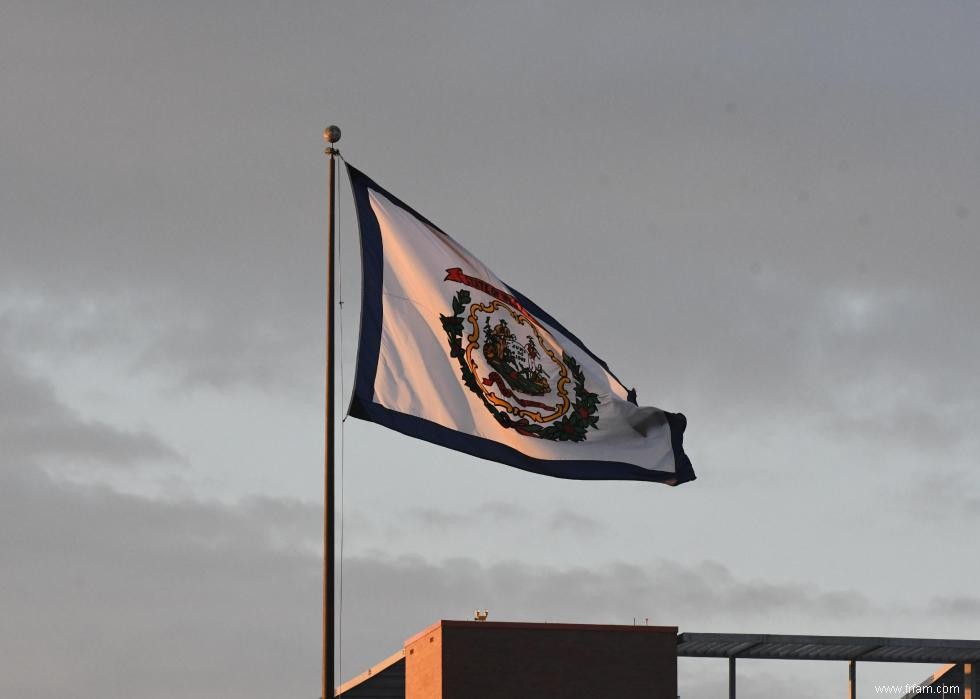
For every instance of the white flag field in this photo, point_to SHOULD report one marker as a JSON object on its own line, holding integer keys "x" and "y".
{"x": 451, "y": 354}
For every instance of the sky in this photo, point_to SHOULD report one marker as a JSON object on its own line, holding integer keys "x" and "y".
{"x": 763, "y": 215}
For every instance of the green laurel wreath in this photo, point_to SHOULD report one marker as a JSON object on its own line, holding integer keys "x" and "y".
{"x": 572, "y": 427}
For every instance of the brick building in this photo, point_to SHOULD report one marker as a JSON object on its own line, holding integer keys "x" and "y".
{"x": 488, "y": 659}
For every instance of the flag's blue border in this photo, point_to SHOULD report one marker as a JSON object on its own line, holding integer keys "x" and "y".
{"x": 362, "y": 404}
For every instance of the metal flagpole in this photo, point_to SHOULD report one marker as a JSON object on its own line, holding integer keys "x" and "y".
{"x": 331, "y": 135}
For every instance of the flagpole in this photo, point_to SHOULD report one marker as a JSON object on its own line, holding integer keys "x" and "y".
{"x": 331, "y": 135}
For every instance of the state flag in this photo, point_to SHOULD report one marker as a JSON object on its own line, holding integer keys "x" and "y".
{"x": 451, "y": 354}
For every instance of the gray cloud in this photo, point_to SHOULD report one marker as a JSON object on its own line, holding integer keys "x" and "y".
{"x": 495, "y": 512}
{"x": 109, "y": 595}
{"x": 219, "y": 241}
{"x": 156, "y": 331}
{"x": 36, "y": 426}
{"x": 575, "y": 523}
{"x": 968, "y": 607}
{"x": 872, "y": 364}
{"x": 223, "y": 600}
{"x": 438, "y": 518}
{"x": 502, "y": 515}
{"x": 951, "y": 496}
{"x": 501, "y": 512}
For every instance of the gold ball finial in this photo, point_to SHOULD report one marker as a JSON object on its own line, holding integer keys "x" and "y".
{"x": 331, "y": 134}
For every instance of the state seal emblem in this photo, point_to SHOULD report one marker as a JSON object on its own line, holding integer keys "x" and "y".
{"x": 528, "y": 383}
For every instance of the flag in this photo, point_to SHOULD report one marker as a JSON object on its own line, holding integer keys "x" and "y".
{"x": 450, "y": 354}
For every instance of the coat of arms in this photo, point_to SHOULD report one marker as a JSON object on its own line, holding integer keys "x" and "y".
{"x": 521, "y": 375}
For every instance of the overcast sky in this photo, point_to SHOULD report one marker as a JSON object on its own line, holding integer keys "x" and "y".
{"x": 763, "y": 215}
